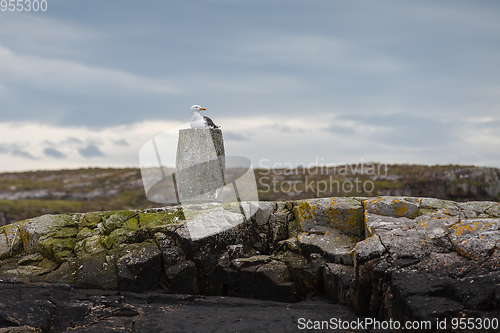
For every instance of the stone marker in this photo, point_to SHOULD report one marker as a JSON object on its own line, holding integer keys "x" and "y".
{"x": 200, "y": 164}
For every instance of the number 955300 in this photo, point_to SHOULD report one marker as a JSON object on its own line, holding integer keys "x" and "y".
{"x": 23, "y": 5}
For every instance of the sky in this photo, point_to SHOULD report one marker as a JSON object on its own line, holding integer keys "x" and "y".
{"x": 87, "y": 83}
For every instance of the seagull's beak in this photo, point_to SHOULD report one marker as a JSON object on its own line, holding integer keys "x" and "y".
{"x": 202, "y": 109}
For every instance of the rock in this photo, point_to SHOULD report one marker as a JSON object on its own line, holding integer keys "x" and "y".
{"x": 338, "y": 282}
{"x": 34, "y": 314}
{"x": 16, "y": 291}
{"x": 164, "y": 220}
{"x": 182, "y": 313}
{"x": 204, "y": 221}
{"x": 333, "y": 245}
{"x": 182, "y": 278}
{"x": 412, "y": 238}
{"x": 27, "y": 271}
{"x": 476, "y": 238}
{"x": 40, "y": 233}
{"x": 302, "y": 274}
{"x": 475, "y": 208}
{"x": 139, "y": 270}
{"x": 172, "y": 255}
{"x": 66, "y": 274}
{"x": 290, "y": 245}
{"x": 280, "y": 227}
{"x": 264, "y": 211}
{"x": 392, "y": 207}
{"x": 447, "y": 264}
{"x": 232, "y": 252}
{"x": 364, "y": 281}
{"x": 67, "y": 314}
{"x": 30, "y": 259}
{"x": 238, "y": 315}
{"x": 127, "y": 220}
{"x": 368, "y": 249}
{"x": 344, "y": 214}
{"x": 89, "y": 246}
{"x": 413, "y": 252}
{"x": 493, "y": 211}
{"x": 433, "y": 204}
{"x": 20, "y": 329}
{"x": 13, "y": 241}
{"x": 406, "y": 284}
{"x": 430, "y": 308}
{"x": 273, "y": 282}
{"x": 97, "y": 272}
{"x": 477, "y": 292}
{"x": 4, "y": 247}
{"x": 55, "y": 248}
{"x": 258, "y": 260}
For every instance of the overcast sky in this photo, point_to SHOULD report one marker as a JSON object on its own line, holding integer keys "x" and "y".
{"x": 88, "y": 82}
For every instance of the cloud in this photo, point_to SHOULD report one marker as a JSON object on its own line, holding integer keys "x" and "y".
{"x": 121, "y": 142}
{"x": 71, "y": 140}
{"x": 70, "y": 76}
{"x": 54, "y": 153}
{"x": 90, "y": 150}
{"x": 21, "y": 153}
{"x": 398, "y": 81}
{"x": 405, "y": 130}
{"x": 21, "y": 27}
{"x": 340, "y": 129}
{"x": 235, "y": 136}
{"x": 56, "y": 91}
{"x": 4, "y": 149}
{"x": 15, "y": 149}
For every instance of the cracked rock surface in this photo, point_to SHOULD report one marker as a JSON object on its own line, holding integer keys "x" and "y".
{"x": 399, "y": 258}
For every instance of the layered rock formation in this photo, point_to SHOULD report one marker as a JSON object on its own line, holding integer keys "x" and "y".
{"x": 398, "y": 258}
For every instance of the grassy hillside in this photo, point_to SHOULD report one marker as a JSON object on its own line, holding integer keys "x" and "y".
{"x": 28, "y": 194}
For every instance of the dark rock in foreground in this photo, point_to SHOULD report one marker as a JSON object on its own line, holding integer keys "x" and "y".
{"x": 59, "y": 308}
{"x": 387, "y": 258}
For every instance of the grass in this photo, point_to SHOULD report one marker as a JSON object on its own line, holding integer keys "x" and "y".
{"x": 98, "y": 189}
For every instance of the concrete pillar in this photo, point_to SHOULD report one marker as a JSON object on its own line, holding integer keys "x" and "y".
{"x": 200, "y": 164}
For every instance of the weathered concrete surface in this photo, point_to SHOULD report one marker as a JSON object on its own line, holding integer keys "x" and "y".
{"x": 200, "y": 164}
{"x": 394, "y": 258}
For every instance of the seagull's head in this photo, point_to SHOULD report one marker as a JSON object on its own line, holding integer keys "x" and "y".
{"x": 197, "y": 108}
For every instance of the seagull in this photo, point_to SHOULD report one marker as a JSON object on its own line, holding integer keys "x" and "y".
{"x": 199, "y": 121}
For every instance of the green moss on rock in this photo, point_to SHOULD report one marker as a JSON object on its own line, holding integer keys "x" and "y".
{"x": 159, "y": 221}
{"x": 120, "y": 236}
{"x": 66, "y": 232}
{"x": 44, "y": 226}
{"x": 83, "y": 233}
{"x": 115, "y": 220}
{"x": 56, "y": 249}
{"x": 90, "y": 220}
{"x": 93, "y": 245}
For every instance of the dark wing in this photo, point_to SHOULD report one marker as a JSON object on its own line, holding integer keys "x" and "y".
{"x": 210, "y": 123}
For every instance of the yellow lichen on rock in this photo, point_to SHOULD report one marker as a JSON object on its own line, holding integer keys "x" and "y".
{"x": 303, "y": 213}
{"x": 400, "y": 207}
{"x": 346, "y": 215}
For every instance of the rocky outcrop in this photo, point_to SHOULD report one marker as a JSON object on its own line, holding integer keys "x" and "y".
{"x": 399, "y": 258}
